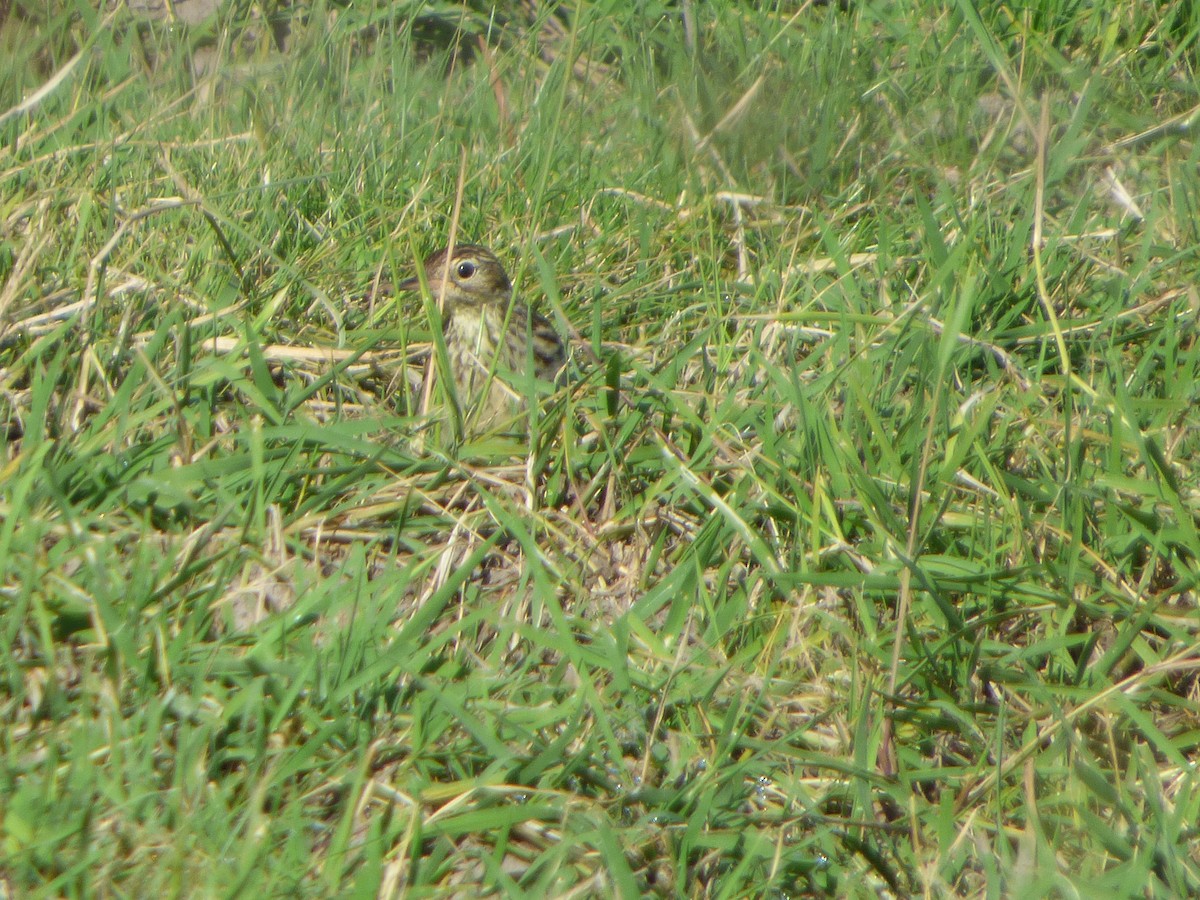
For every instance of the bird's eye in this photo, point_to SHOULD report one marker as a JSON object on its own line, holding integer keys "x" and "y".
{"x": 466, "y": 269}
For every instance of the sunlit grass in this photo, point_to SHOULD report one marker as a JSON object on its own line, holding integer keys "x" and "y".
{"x": 856, "y": 555}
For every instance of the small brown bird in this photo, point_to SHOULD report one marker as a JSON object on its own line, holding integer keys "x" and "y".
{"x": 491, "y": 339}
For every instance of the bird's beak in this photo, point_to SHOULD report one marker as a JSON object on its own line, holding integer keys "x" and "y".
{"x": 410, "y": 284}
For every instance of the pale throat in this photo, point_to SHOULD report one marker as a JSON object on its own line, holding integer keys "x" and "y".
{"x": 479, "y": 331}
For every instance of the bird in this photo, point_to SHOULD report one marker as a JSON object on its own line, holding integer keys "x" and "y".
{"x": 491, "y": 338}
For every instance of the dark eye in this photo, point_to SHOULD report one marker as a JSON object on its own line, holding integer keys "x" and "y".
{"x": 466, "y": 269}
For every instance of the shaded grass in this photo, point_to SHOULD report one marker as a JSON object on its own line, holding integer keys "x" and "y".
{"x": 858, "y": 554}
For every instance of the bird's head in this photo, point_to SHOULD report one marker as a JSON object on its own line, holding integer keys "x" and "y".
{"x": 474, "y": 276}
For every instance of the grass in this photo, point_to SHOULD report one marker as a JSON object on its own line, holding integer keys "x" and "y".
{"x": 858, "y": 556}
